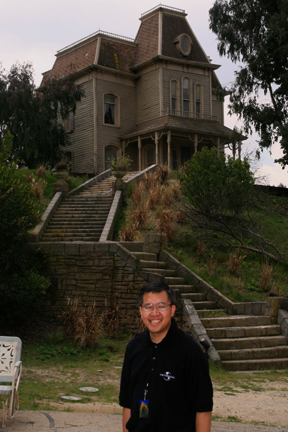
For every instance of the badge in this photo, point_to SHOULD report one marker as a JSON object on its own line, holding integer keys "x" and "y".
{"x": 143, "y": 408}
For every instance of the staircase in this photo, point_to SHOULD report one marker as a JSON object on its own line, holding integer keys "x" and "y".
{"x": 243, "y": 342}
{"x": 82, "y": 217}
{"x": 78, "y": 218}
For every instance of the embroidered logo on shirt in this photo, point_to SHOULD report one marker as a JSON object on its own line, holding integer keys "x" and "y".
{"x": 167, "y": 376}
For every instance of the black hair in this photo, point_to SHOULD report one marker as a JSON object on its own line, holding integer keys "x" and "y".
{"x": 157, "y": 287}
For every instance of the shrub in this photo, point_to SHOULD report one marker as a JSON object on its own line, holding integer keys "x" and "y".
{"x": 128, "y": 233}
{"x": 24, "y": 272}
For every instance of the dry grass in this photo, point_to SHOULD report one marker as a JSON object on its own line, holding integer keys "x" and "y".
{"x": 152, "y": 207}
{"x": 266, "y": 276}
{"x": 234, "y": 263}
{"x": 82, "y": 324}
{"x": 41, "y": 171}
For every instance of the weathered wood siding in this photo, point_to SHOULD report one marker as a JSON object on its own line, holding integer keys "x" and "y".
{"x": 110, "y": 134}
{"x": 217, "y": 109}
{"x": 204, "y": 80}
{"x": 82, "y": 140}
{"x": 148, "y": 103}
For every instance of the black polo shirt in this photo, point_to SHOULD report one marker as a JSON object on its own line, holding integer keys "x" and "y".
{"x": 179, "y": 382}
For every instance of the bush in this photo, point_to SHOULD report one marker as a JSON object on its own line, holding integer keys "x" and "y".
{"x": 24, "y": 272}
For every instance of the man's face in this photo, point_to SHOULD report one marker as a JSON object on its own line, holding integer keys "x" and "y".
{"x": 158, "y": 323}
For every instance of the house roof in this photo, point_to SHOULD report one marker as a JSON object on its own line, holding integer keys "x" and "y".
{"x": 155, "y": 39}
{"x": 183, "y": 125}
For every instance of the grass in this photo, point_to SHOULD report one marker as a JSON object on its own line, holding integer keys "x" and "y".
{"x": 54, "y": 370}
{"x": 48, "y": 180}
{"x": 240, "y": 276}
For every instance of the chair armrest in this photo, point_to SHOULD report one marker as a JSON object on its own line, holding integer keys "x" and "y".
{"x": 17, "y": 374}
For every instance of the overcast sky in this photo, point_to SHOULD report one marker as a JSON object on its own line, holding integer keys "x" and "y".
{"x": 34, "y": 30}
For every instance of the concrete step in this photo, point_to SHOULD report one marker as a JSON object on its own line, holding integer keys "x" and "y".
{"x": 208, "y": 313}
{"x": 194, "y": 297}
{"x": 153, "y": 264}
{"x": 185, "y": 289}
{"x": 238, "y": 332}
{"x": 201, "y": 304}
{"x": 255, "y": 353}
{"x": 237, "y": 321}
{"x": 90, "y": 223}
{"x": 70, "y": 239}
{"x": 63, "y": 231}
{"x": 250, "y": 365}
{"x": 174, "y": 280}
{"x": 164, "y": 272}
{"x": 146, "y": 256}
{"x": 252, "y": 342}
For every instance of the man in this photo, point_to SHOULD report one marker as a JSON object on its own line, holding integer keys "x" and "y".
{"x": 165, "y": 383}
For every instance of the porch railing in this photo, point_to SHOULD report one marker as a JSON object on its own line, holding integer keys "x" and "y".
{"x": 189, "y": 114}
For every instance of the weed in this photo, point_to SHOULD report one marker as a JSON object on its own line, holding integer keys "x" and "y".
{"x": 200, "y": 250}
{"x": 212, "y": 264}
{"x": 266, "y": 276}
{"x": 166, "y": 224}
{"x": 41, "y": 171}
{"x": 163, "y": 173}
{"x": 154, "y": 196}
{"x": 234, "y": 263}
{"x": 110, "y": 320}
{"x": 127, "y": 233}
{"x": 139, "y": 216}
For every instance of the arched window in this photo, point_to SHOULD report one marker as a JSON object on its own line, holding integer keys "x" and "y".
{"x": 173, "y": 97}
{"x": 109, "y": 109}
{"x": 186, "y": 96}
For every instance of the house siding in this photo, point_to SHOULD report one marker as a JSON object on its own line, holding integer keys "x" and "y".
{"x": 204, "y": 80}
{"x": 148, "y": 99}
{"x": 82, "y": 137}
{"x": 107, "y": 134}
{"x": 217, "y": 109}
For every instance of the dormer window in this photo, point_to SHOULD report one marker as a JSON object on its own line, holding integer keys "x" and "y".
{"x": 183, "y": 44}
{"x": 111, "y": 110}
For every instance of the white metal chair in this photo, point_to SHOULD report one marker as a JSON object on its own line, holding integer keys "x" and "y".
{"x": 10, "y": 373}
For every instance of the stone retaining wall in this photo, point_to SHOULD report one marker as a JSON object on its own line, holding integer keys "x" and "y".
{"x": 100, "y": 274}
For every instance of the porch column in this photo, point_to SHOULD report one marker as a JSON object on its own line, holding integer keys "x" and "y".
{"x": 156, "y": 148}
{"x": 123, "y": 145}
{"x": 195, "y": 142}
{"x": 139, "y": 153}
{"x": 218, "y": 146}
{"x": 169, "y": 148}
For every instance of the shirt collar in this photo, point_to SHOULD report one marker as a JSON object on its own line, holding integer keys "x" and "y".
{"x": 168, "y": 336}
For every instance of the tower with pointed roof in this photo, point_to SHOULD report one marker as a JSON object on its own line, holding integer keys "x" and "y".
{"x": 153, "y": 98}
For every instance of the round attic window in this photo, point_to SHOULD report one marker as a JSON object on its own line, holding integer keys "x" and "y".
{"x": 183, "y": 44}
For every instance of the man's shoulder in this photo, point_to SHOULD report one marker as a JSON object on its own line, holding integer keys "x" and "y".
{"x": 187, "y": 342}
{"x": 138, "y": 340}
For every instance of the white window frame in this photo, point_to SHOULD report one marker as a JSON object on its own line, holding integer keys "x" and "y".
{"x": 186, "y": 113}
{"x": 198, "y": 114}
{"x": 116, "y": 110}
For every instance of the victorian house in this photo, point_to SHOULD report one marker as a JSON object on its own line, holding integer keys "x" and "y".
{"x": 152, "y": 97}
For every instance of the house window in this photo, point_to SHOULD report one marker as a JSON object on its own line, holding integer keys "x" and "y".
{"x": 186, "y": 96}
{"x": 109, "y": 109}
{"x": 183, "y": 44}
{"x": 173, "y": 96}
{"x": 198, "y": 100}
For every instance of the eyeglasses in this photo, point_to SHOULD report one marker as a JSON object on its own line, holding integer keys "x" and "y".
{"x": 161, "y": 307}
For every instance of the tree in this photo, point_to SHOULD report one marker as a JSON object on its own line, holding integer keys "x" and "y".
{"x": 32, "y": 115}
{"x": 255, "y": 32}
{"x": 219, "y": 204}
{"x": 24, "y": 272}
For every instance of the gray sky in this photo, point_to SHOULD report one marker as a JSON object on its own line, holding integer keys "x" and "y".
{"x": 34, "y": 30}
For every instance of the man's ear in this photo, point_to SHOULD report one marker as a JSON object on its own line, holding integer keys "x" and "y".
{"x": 173, "y": 310}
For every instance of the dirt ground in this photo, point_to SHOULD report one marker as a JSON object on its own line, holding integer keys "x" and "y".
{"x": 267, "y": 407}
